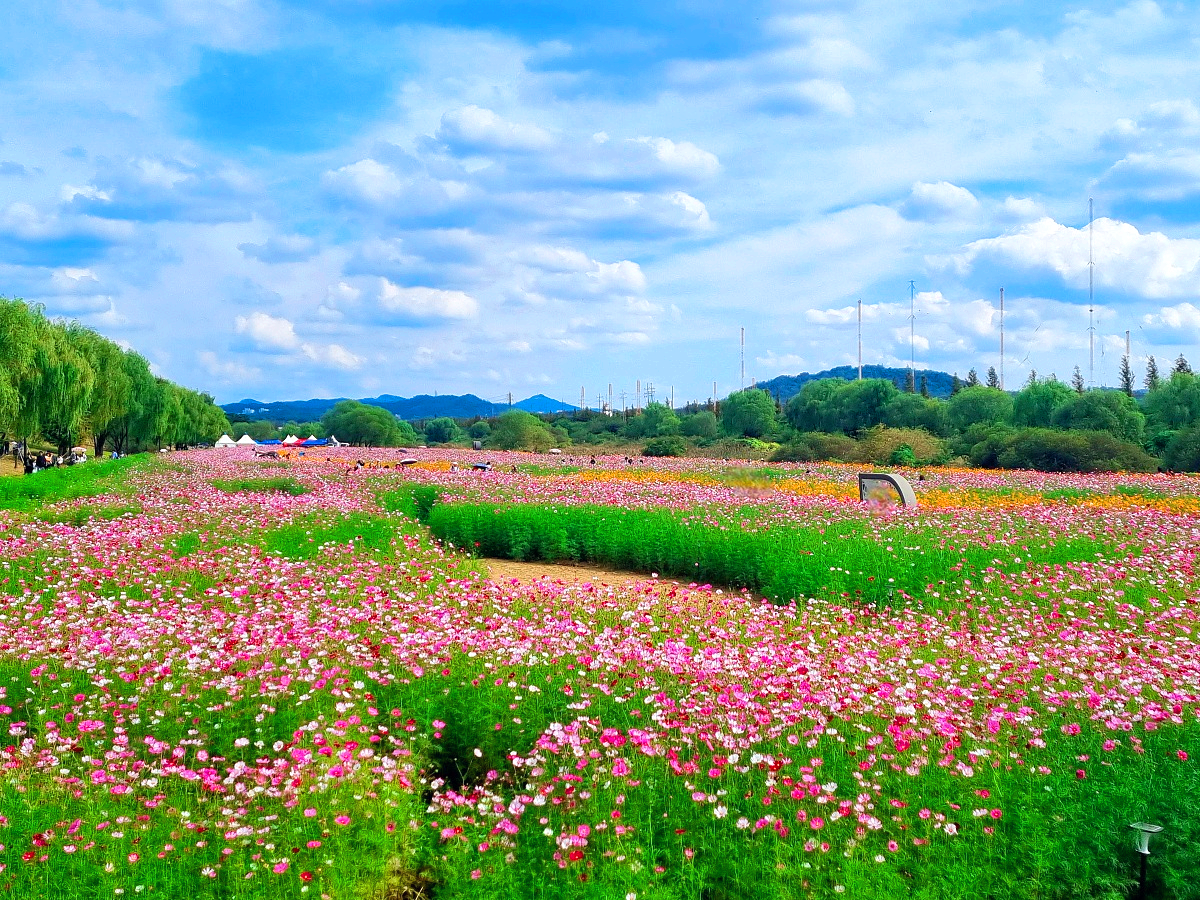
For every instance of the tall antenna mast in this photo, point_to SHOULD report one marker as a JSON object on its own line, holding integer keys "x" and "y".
{"x": 912, "y": 332}
{"x": 860, "y": 338}
{"x": 1091, "y": 305}
{"x": 1127, "y": 343}
{"x": 743, "y": 382}
{"x": 1001, "y": 338}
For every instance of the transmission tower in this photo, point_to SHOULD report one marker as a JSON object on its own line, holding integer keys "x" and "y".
{"x": 1001, "y": 338}
{"x": 1091, "y": 305}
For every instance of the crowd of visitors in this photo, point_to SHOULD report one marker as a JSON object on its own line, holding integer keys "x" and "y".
{"x": 36, "y": 462}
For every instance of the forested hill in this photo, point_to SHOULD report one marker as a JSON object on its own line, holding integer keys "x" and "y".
{"x": 468, "y": 406}
{"x": 423, "y": 406}
{"x": 784, "y": 387}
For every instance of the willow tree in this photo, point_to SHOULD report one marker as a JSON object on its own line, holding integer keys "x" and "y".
{"x": 64, "y": 384}
{"x": 18, "y": 330}
{"x": 155, "y": 421}
{"x": 135, "y": 425}
{"x": 110, "y": 391}
{"x": 201, "y": 420}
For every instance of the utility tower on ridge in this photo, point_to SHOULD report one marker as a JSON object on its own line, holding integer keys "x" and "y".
{"x": 1091, "y": 304}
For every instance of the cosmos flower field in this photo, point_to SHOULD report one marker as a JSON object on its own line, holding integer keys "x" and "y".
{"x": 228, "y": 678}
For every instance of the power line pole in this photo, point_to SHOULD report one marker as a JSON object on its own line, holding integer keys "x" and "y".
{"x": 637, "y": 398}
{"x": 860, "y": 338}
{"x": 742, "y": 384}
{"x": 1001, "y": 338}
{"x": 912, "y": 332}
{"x": 1091, "y": 304}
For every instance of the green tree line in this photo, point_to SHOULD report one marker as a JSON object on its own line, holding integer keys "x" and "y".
{"x": 64, "y": 383}
{"x": 1047, "y": 424}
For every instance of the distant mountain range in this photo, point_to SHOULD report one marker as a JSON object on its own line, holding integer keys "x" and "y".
{"x": 424, "y": 406}
{"x": 468, "y": 406}
{"x": 785, "y": 387}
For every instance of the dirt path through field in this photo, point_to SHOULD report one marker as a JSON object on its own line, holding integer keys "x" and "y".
{"x": 527, "y": 572}
{"x": 9, "y": 465}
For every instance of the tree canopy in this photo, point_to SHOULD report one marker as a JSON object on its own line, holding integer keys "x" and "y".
{"x": 359, "y": 423}
{"x": 748, "y": 413}
{"x": 65, "y": 383}
{"x": 519, "y": 430}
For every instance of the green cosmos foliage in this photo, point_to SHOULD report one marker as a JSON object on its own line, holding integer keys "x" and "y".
{"x": 70, "y": 483}
{"x": 244, "y": 624}
{"x": 285, "y": 484}
{"x": 838, "y": 559}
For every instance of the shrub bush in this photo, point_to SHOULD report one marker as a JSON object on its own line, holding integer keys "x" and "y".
{"x": 812, "y": 446}
{"x": 902, "y": 456}
{"x": 666, "y": 446}
{"x": 1183, "y": 450}
{"x": 881, "y": 444}
{"x": 1047, "y": 450}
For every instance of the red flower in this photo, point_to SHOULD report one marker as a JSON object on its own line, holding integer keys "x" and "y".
{"x": 306, "y": 876}
{"x": 1182, "y": 754}
{"x": 1080, "y": 774}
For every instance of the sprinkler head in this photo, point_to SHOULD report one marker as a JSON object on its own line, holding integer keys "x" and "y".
{"x": 1144, "y": 831}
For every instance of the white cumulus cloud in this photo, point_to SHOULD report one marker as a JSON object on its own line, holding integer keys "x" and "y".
{"x": 1179, "y": 317}
{"x": 1151, "y": 265}
{"x": 681, "y": 157}
{"x": 366, "y": 179}
{"x": 475, "y": 128}
{"x": 334, "y": 355}
{"x": 268, "y": 332}
{"x": 424, "y": 304}
{"x": 695, "y": 212}
{"x": 938, "y": 201}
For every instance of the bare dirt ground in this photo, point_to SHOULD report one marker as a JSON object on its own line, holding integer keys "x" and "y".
{"x": 504, "y": 570}
{"x": 527, "y": 572}
{"x": 9, "y": 466}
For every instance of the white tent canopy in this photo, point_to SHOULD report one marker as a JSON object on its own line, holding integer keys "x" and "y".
{"x": 291, "y": 439}
{"x": 246, "y": 441}
{"x": 225, "y": 441}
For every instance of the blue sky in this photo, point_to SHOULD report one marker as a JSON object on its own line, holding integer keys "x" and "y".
{"x": 312, "y": 198}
